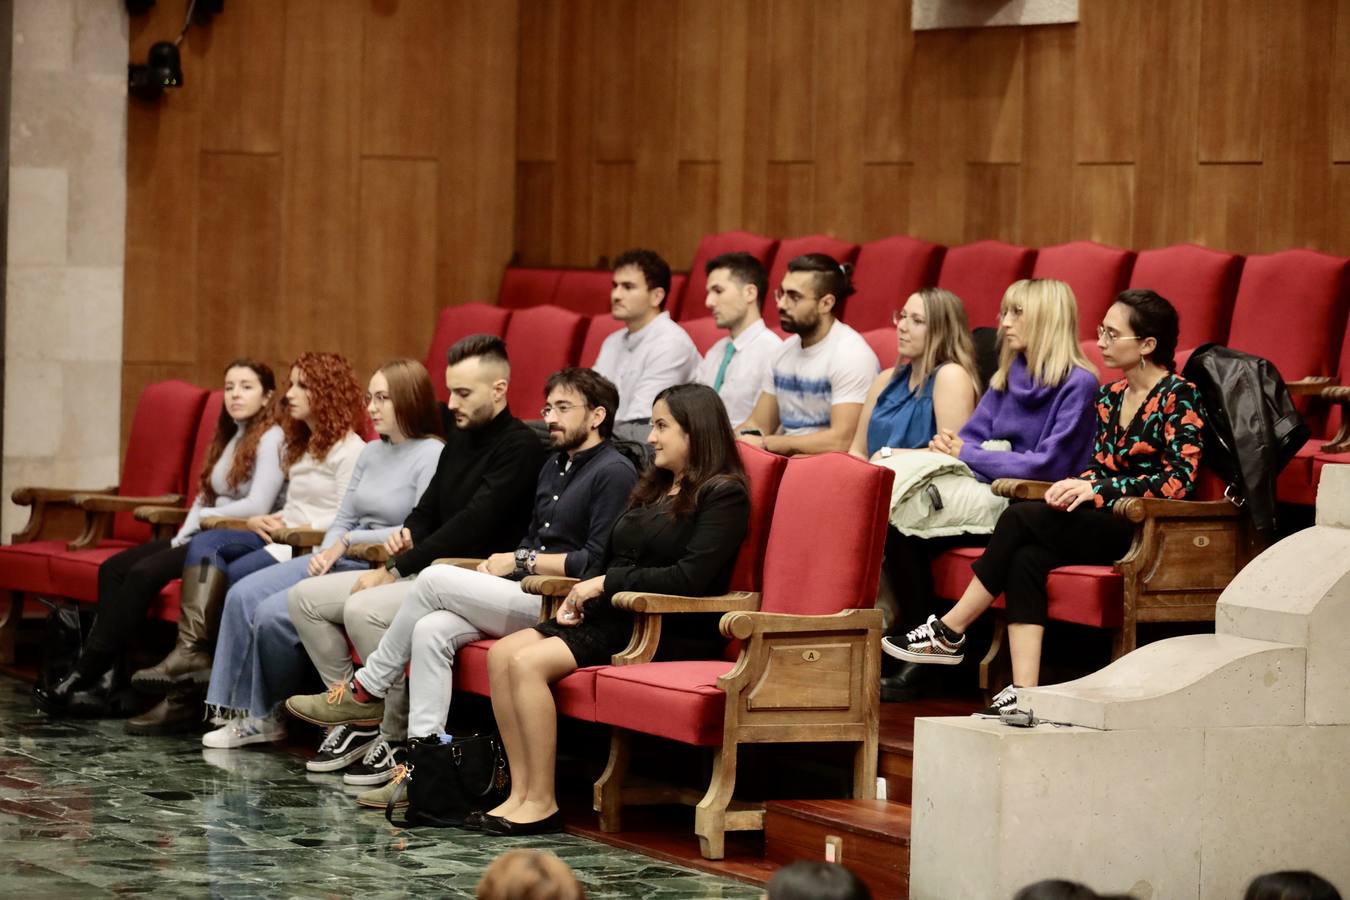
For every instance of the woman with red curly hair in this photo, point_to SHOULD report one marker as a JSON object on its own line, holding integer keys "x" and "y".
{"x": 325, "y": 413}
{"x": 241, "y": 476}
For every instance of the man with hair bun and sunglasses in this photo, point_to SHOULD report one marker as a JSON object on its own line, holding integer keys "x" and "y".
{"x": 813, "y": 394}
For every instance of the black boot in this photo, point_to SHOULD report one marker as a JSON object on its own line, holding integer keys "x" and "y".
{"x": 910, "y": 683}
{"x": 81, "y": 695}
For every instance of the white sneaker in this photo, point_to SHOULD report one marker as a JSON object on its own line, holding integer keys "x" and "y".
{"x": 242, "y": 732}
{"x": 1005, "y": 701}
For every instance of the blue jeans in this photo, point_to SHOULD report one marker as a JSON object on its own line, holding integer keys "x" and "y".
{"x": 259, "y": 659}
{"x": 236, "y": 553}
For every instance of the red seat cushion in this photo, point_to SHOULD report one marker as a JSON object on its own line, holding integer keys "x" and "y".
{"x": 75, "y": 572}
{"x": 27, "y": 567}
{"x": 791, "y": 248}
{"x": 457, "y": 322}
{"x": 676, "y": 700}
{"x": 979, "y": 273}
{"x": 165, "y": 607}
{"x": 585, "y": 291}
{"x": 1297, "y": 483}
{"x": 574, "y": 695}
{"x": 1095, "y": 272}
{"x": 882, "y": 342}
{"x": 1200, "y": 283}
{"x": 523, "y": 287}
{"x": 1291, "y": 310}
{"x": 703, "y": 332}
{"x": 690, "y": 303}
{"x": 1084, "y": 595}
{"x": 887, "y": 272}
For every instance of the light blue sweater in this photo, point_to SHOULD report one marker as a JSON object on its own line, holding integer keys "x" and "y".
{"x": 388, "y": 481}
{"x": 256, "y": 495}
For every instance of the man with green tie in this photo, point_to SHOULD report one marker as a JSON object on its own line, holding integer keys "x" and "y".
{"x": 736, "y": 365}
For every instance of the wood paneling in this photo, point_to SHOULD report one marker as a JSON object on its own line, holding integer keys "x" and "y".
{"x": 885, "y": 200}
{"x": 1233, "y": 57}
{"x": 793, "y": 53}
{"x": 239, "y": 85}
{"x": 1227, "y": 204}
{"x": 1340, "y": 86}
{"x": 396, "y": 256}
{"x": 1106, "y": 80}
{"x": 1103, "y": 203}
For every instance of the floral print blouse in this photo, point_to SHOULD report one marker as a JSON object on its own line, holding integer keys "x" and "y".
{"x": 1157, "y": 453}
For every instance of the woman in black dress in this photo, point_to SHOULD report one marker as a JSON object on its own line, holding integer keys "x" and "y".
{"x": 680, "y": 535}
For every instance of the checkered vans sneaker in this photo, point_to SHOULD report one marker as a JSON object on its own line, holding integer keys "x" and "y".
{"x": 1005, "y": 701}
{"x": 377, "y": 766}
{"x": 925, "y": 644}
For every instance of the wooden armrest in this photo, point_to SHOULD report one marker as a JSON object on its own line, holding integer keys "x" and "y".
{"x": 371, "y": 553}
{"x": 1020, "y": 488}
{"x": 225, "y": 522}
{"x": 111, "y": 503}
{"x": 462, "y": 562}
{"x": 299, "y": 538}
{"x": 1309, "y": 387}
{"x": 1339, "y": 393}
{"x": 548, "y": 585}
{"x": 1138, "y": 509}
{"x": 27, "y": 496}
{"x": 639, "y": 602}
{"x": 743, "y": 625}
{"x": 161, "y": 515}
{"x": 1340, "y": 443}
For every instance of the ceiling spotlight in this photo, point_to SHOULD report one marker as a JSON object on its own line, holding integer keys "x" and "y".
{"x": 163, "y": 69}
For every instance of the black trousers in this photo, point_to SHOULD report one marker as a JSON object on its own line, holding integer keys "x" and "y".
{"x": 1030, "y": 539}
{"x": 909, "y": 566}
{"x": 127, "y": 584}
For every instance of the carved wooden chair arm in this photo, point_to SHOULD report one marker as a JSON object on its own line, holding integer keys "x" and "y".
{"x": 1311, "y": 386}
{"x": 548, "y": 585}
{"x": 1139, "y": 509}
{"x": 299, "y": 538}
{"x": 749, "y": 625}
{"x": 27, "y": 496}
{"x": 371, "y": 553}
{"x": 161, "y": 515}
{"x": 1020, "y": 488}
{"x": 641, "y": 602}
{"x": 1339, "y": 395}
{"x": 112, "y": 503}
{"x": 54, "y": 514}
{"x": 232, "y": 523}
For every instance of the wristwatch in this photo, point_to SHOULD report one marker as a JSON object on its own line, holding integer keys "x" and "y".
{"x": 391, "y": 566}
{"x": 522, "y": 560}
{"x": 529, "y": 563}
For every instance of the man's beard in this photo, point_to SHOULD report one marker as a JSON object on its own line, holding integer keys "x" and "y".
{"x": 566, "y": 442}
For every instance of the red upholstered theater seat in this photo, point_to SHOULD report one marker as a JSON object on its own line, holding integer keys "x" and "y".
{"x": 457, "y": 322}
{"x": 540, "y": 341}
{"x": 1298, "y": 482}
{"x": 597, "y": 329}
{"x": 522, "y": 287}
{"x": 979, "y": 273}
{"x": 1096, "y": 273}
{"x": 690, "y": 302}
{"x": 887, "y": 272}
{"x": 584, "y": 291}
{"x": 882, "y": 342}
{"x": 1085, "y": 595}
{"x": 678, "y": 282}
{"x": 574, "y": 695}
{"x": 703, "y": 332}
{"x": 1201, "y": 283}
{"x": 791, "y": 248}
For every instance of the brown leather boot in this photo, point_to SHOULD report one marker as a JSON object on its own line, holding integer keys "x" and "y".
{"x": 179, "y": 711}
{"x": 189, "y": 662}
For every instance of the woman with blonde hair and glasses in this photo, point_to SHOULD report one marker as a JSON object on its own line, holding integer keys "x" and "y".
{"x": 936, "y": 389}
{"x": 1036, "y": 421}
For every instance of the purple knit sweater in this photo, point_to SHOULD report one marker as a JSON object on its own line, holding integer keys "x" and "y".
{"x": 1050, "y": 428}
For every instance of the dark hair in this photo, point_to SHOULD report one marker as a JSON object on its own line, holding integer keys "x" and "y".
{"x": 743, "y": 268}
{"x": 831, "y": 277}
{"x": 712, "y": 450}
{"x": 1291, "y": 885}
{"x": 415, "y": 408}
{"x": 488, "y": 346}
{"x": 813, "y": 880}
{"x": 599, "y": 391}
{"x": 655, "y": 270}
{"x": 246, "y": 453}
{"x": 1153, "y": 315}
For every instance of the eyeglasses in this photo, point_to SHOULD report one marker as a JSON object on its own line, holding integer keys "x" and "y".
{"x": 380, "y": 397}
{"x": 561, "y": 409}
{"x": 898, "y": 317}
{"x": 1109, "y": 337}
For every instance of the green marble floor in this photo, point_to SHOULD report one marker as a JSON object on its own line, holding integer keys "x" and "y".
{"x": 88, "y": 811}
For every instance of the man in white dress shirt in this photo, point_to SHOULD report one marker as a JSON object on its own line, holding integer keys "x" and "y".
{"x": 651, "y": 352}
{"x": 736, "y": 365}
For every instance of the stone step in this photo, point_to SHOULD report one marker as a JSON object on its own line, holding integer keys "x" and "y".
{"x": 895, "y": 740}
{"x": 871, "y": 837}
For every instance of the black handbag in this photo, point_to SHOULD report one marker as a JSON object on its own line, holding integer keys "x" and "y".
{"x": 446, "y": 782}
{"x": 64, "y": 634}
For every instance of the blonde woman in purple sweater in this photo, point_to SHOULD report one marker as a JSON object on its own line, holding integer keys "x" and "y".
{"x": 1036, "y": 421}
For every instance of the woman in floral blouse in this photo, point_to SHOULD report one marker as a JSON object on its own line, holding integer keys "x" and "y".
{"x": 1147, "y": 445}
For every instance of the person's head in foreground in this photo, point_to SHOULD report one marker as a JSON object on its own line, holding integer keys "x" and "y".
{"x": 529, "y": 875}
{"x": 812, "y": 880}
{"x": 1059, "y": 889}
{"x": 1302, "y": 885}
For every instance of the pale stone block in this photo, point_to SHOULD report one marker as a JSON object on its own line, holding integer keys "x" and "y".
{"x": 91, "y": 412}
{"x": 1274, "y": 798}
{"x": 33, "y": 398}
{"x": 98, "y": 213}
{"x": 44, "y": 34}
{"x": 996, "y": 808}
{"x": 101, "y": 37}
{"x": 1185, "y": 682}
{"x": 61, "y": 119}
{"x": 38, "y": 202}
{"x": 71, "y": 313}
{"x": 1333, "y": 497}
{"x": 929, "y": 14}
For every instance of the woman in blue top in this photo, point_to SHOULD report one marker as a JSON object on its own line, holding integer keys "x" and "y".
{"x": 937, "y": 387}
{"x": 259, "y": 659}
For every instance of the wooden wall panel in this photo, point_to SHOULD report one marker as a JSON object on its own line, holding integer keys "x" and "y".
{"x": 1227, "y": 207}
{"x": 1233, "y": 55}
{"x": 886, "y": 83}
{"x": 790, "y": 43}
{"x": 991, "y": 202}
{"x": 886, "y": 188}
{"x": 534, "y": 213}
{"x": 239, "y": 85}
{"x": 613, "y": 228}
{"x": 790, "y": 198}
{"x": 403, "y": 83}
{"x": 695, "y": 206}
{"x": 617, "y": 117}
{"x": 538, "y": 107}
{"x": 1340, "y": 86}
{"x": 1106, "y": 80}
{"x": 1047, "y": 136}
{"x": 1103, "y": 203}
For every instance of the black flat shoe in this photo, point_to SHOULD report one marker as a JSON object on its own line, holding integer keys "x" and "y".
{"x": 506, "y": 828}
{"x": 474, "y": 820}
{"x": 81, "y": 696}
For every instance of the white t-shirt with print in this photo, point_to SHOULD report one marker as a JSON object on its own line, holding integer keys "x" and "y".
{"x": 807, "y": 382}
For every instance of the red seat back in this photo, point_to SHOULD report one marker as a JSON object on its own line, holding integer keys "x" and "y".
{"x": 1095, "y": 272}
{"x": 888, "y": 271}
{"x": 829, "y": 525}
{"x": 764, "y": 471}
{"x": 597, "y": 329}
{"x": 979, "y": 273}
{"x": 457, "y": 322}
{"x": 1094, "y": 355}
{"x": 690, "y": 304}
{"x": 206, "y": 431}
{"x": 527, "y": 287}
{"x": 791, "y": 248}
{"x": 882, "y": 342}
{"x": 678, "y": 280}
{"x": 540, "y": 341}
{"x": 585, "y": 291}
{"x": 703, "y": 332}
{"x": 1290, "y": 309}
{"x": 159, "y": 449}
{"x": 1200, "y": 283}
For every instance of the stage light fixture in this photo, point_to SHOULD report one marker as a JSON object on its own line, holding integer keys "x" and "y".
{"x": 163, "y": 67}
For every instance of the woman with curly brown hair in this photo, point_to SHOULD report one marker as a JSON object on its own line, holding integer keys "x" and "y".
{"x": 241, "y": 476}
{"x": 326, "y": 410}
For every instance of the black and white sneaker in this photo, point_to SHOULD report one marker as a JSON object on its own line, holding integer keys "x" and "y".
{"x": 377, "y": 766}
{"x": 342, "y": 746}
{"x": 1005, "y": 701}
